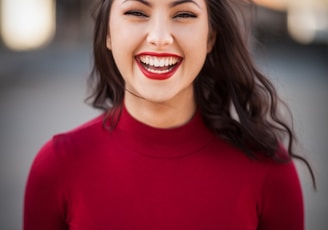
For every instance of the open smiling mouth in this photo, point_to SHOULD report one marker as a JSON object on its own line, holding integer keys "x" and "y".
{"x": 158, "y": 67}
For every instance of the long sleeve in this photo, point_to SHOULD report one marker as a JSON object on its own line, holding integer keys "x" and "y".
{"x": 44, "y": 206}
{"x": 282, "y": 200}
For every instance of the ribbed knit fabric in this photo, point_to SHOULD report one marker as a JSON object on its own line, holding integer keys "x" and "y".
{"x": 142, "y": 178}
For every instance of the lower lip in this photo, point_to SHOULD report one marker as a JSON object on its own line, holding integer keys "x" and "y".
{"x": 158, "y": 76}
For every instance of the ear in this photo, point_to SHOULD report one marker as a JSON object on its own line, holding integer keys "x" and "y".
{"x": 211, "y": 41}
{"x": 108, "y": 42}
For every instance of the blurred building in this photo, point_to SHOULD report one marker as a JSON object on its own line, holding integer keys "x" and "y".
{"x": 74, "y": 19}
{"x": 305, "y": 21}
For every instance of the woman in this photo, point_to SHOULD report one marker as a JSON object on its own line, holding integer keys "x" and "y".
{"x": 190, "y": 137}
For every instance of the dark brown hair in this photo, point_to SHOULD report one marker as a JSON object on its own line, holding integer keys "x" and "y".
{"x": 229, "y": 81}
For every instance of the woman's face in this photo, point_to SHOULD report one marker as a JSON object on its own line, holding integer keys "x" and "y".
{"x": 159, "y": 46}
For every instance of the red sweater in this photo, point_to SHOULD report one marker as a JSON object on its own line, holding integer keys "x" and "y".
{"x": 142, "y": 178}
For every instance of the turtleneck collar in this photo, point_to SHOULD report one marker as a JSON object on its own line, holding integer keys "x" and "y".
{"x": 155, "y": 142}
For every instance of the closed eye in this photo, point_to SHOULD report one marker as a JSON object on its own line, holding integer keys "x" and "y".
{"x": 185, "y": 15}
{"x": 136, "y": 13}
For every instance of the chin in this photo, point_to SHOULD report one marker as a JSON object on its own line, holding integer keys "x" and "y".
{"x": 156, "y": 98}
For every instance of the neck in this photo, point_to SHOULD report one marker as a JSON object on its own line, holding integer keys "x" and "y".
{"x": 167, "y": 114}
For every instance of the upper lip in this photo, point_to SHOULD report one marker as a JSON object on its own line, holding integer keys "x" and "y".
{"x": 158, "y": 59}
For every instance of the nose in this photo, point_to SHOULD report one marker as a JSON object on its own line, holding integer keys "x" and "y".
{"x": 159, "y": 33}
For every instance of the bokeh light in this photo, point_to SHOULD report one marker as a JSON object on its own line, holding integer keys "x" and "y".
{"x": 27, "y": 24}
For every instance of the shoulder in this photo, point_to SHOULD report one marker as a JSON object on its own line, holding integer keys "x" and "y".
{"x": 82, "y": 132}
{"x": 281, "y": 200}
{"x": 278, "y": 188}
{"x": 279, "y": 172}
{"x": 263, "y": 171}
{"x": 80, "y": 136}
{"x": 281, "y": 176}
{"x": 66, "y": 146}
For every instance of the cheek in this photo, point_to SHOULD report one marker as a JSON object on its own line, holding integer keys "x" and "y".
{"x": 195, "y": 37}
{"x": 194, "y": 47}
{"x": 195, "y": 51}
{"x": 125, "y": 40}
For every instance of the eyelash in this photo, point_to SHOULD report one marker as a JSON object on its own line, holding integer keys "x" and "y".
{"x": 185, "y": 15}
{"x": 142, "y": 14}
{"x": 136, "y": 13}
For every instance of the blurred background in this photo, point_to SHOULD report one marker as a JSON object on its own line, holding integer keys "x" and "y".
{"x": 46, "y": 57}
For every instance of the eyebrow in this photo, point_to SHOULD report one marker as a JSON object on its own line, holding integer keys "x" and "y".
{"x": 141, "y": 1}
{"x": 172, "y": 4}
{"x": 179, "y": 2}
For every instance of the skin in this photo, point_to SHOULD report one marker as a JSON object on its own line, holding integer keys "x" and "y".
{"x": 159, "y": 26}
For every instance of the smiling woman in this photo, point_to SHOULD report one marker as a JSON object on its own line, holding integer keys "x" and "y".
{"x": 159, "y": 30}
{"x": 190, "y": 136}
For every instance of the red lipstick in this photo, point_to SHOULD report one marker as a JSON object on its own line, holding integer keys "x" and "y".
{"x": 158, "y": 66}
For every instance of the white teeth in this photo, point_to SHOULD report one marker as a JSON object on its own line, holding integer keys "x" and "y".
{"x": 149, "y": 61}
{"x": 158, "y": 71}
{"x": 167, "y": 62}
{"x": 162, "y": 63}
{"x": 159, "y": 61}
